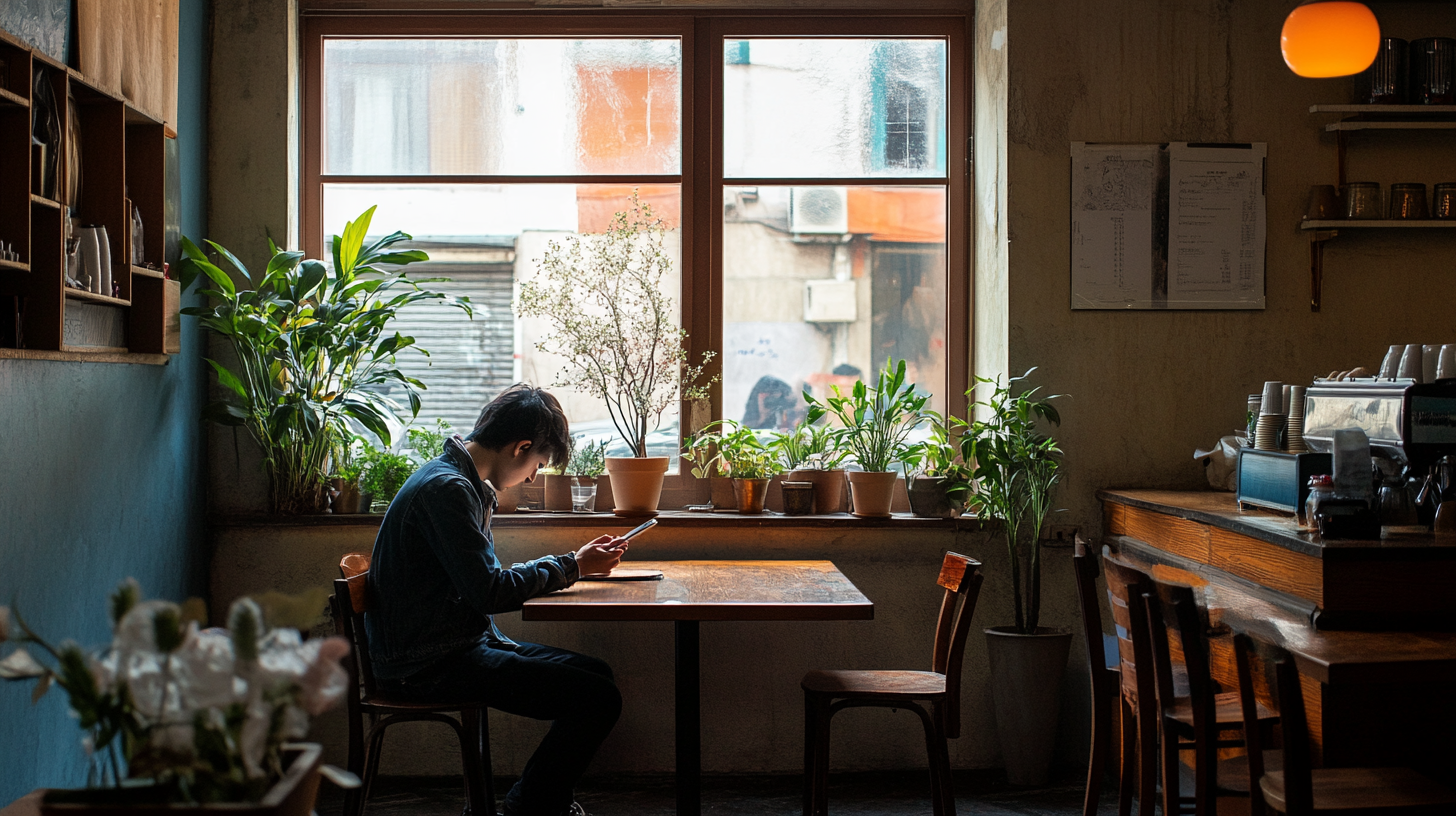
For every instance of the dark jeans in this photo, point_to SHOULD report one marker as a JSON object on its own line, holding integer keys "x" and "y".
{"x": 576, "y": 692}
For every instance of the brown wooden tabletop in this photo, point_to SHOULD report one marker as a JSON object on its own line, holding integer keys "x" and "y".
{"x": 711, "y": 591}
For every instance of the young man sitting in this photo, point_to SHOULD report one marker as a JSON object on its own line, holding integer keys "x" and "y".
{"x": 435, "y": 582}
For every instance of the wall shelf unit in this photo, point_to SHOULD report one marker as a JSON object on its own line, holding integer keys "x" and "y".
{"x": 1368, "y": 118}
{"x": 115, "y": 152}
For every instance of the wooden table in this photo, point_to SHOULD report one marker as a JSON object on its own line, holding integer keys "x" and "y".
{"x": 695, "y": 591}
{"x": 1373, "y": 697}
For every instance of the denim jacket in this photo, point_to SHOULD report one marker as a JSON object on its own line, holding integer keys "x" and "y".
{"x": 434, "y": 579}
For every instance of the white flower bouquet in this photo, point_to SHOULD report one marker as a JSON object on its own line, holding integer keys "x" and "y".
{"x": 197, "y": 715}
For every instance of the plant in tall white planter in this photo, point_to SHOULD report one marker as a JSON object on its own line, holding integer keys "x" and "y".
{"x": 1016, "y": 470}
{"x": 611, "y": 320}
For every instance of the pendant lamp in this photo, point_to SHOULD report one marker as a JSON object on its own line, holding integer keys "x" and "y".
{"x": 1329, "y": 38}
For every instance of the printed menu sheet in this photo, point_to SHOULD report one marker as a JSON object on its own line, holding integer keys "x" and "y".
{"x": 1216, "y": 224}
{"x": 1173, "y": 226}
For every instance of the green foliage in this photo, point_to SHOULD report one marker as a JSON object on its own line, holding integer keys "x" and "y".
{"x": 384, "y": 472}
{"x": 940, "y": 456}
{"x": 1016, "y": 471}
{"x": 728, "y": 448}
{"x": 877, "y": 420}
{"x": 590, "y": 460}
{"x": 607, "y": 302}
{"x": 429, "y": 444}
{"x": 312, "y": 350}
{"x": 808, "y": 446}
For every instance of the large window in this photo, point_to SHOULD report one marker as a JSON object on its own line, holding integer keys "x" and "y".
{"x": 810, "y": 170}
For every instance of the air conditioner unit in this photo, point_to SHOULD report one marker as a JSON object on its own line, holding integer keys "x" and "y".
{"x": 819, "y": 210}
{"x": 829, "y": 301}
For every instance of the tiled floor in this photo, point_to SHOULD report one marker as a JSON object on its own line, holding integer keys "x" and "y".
{"x": 864, "y": 794}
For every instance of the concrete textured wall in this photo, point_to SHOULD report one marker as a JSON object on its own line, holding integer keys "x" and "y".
{"x": 100, "y": 479}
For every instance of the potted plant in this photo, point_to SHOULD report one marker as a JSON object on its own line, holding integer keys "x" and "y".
{"x": 345, "y": 495}
{"x": 939, "y": 482}
{"x": 587, "y": 465}
{"x": 612, "y": 321}
{"x": 384, "y": 472}
{"x": 1016, "y": 470}
{"x": 877, "y": 422}
{"x": 180, "y": 719}
{"x": 312, "y": 351}
{"x": 556, "y": 486}
{"x": 738, "y": 454}
{"x": 809, "y": 454}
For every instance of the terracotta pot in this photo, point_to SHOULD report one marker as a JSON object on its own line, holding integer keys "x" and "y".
{"x": 721, "y": 493}
{"x": 828, "y": 489}
{"x": 928, "y": 498}
{"x": 604, "y": 493}
{"x": 872, "y": 493}
{"x": 508, "y": 500}
{"x": 346, "y": 497}
{"x": 636, "y": 484}
{"x": 558, "y": 493}
{"x": 292, "y": 795}
{"x": 1026, "y": 679}
{"x": 751, "y": 495}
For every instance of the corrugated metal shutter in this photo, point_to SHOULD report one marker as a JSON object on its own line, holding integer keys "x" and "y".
{"x": 470, "y": 360}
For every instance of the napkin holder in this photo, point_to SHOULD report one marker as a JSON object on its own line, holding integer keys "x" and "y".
{"x": 1274, "y": 480}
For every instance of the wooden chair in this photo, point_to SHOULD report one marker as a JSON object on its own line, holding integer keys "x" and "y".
{"x": 1126, "y": 586}
{"x": 1202, "y": 721}
{"x": 349, "y": 603}
{"x": 828, "y": 692}
{"x": 1301, "y": 790}
{"x": 1104, "y": 673}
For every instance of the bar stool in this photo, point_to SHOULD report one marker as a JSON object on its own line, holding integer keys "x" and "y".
{"x": 1300, "y": 790}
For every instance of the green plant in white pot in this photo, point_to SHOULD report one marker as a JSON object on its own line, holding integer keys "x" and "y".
{"x": 1016, "y": 470}
{"x": 877, "y": 422}
{"x": 611, "y": 319}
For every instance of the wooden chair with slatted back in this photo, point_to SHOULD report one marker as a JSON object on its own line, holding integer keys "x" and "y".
{"x": 1104, "y": 674}
{"x": 1126, "y": 586}
{"x": 828, "y": 692}
{"x": 1301, "y": 790}
{"x": 349, "y": 603}
{"x": 1202, "y": 721}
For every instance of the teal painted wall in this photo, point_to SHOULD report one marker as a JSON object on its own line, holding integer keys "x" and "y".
{"x": 101, "y": 477}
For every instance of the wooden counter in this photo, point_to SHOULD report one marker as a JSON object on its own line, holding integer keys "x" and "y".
{"x": 1373, "y": 697}
{"x": 1404, "y": 580}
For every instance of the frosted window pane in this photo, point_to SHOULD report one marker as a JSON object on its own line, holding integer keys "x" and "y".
{"x": 838, "y": 108}
{"x": 502, "y": 107}
{"x": 484, "y": 230}
{"x": 820, "y": 285}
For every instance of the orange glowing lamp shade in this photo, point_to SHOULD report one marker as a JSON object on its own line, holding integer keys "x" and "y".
{"x": 1329, "y": 38}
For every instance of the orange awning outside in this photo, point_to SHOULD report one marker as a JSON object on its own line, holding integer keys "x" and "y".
{"x": 904, "y": 214}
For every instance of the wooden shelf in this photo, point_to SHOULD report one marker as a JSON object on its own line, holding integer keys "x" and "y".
{"x": 147, "y": 273}
{"x": 1389, "y": 124}
{"x": 1389, "y": 110}
{"x": 71, "y": 356}
{"x": 16, "y": 265}
{"x": 1361, "y": 223}
{"x": 8, "y": 98}
{"x": 81, "y": 294}
{"x": 44, "y": 202}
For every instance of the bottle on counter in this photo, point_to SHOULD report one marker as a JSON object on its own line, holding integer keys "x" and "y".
{"x": 1321, "y": 489}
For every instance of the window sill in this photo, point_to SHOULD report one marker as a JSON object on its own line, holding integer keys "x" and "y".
{"x": 671, "y": 518}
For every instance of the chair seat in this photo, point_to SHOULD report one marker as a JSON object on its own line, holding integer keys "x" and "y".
{"x": 1354, "y": 790}
{"x": 910, "y": 685}
{"x": 1227, "y": 710}
{"x": 380, "y": 703}
{"x": 1233, "y": 773}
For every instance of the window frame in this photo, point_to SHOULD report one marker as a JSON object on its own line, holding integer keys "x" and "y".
{"x": 701, "y": 173}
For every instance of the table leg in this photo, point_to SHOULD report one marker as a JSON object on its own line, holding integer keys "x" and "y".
{"x": 689, "y": 720}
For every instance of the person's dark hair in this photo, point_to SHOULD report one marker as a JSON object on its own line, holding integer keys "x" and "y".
{"x": 523, "y": 413}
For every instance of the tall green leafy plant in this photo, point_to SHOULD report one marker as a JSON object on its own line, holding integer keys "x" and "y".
{"x": 312, "y": 351}
{"x": 877, "y": 420}
{"x": 808, "y": 446}
{"x": 606, "y": 300}
{"x": 1016, "y": 469}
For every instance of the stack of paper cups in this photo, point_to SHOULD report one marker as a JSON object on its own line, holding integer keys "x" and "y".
{"x": 1271, "y": 417}
{"x": 1295, "y": 434}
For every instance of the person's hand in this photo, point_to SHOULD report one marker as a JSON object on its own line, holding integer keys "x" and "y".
{"x": 600, "y": 555}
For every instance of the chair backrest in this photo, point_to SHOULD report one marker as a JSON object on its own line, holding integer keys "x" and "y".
{"x": 1126, "y": 586}
{"x": 1173, "y": 619}
{"x": 1084, "y": 564}
{"x": 349, "y": 603}
{"x": 961, "y": 578}
{"x": 1283, "y": 676}
{"x": 1249, "y": 707}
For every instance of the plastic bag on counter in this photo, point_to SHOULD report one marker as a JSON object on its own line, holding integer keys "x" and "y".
{"x": 1221, "y": 464}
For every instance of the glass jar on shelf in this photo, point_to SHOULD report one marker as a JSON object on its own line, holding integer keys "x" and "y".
{"x": 1321, "y": 489}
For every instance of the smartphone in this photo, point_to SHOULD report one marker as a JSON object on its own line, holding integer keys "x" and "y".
{"x": 641, "y": 528}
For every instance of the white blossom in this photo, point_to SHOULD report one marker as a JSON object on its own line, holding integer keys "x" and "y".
{"x": 19, "y": 664}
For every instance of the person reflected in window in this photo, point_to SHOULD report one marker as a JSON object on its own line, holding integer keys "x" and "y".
{"x": 435, "y": 582}
{"x": 771, "y": 404}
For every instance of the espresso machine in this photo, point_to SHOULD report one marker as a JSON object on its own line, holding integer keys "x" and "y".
{"x": 1411, "y": 427}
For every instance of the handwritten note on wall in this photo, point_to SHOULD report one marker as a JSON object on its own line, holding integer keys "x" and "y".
{"x": 1171, "y": 226}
